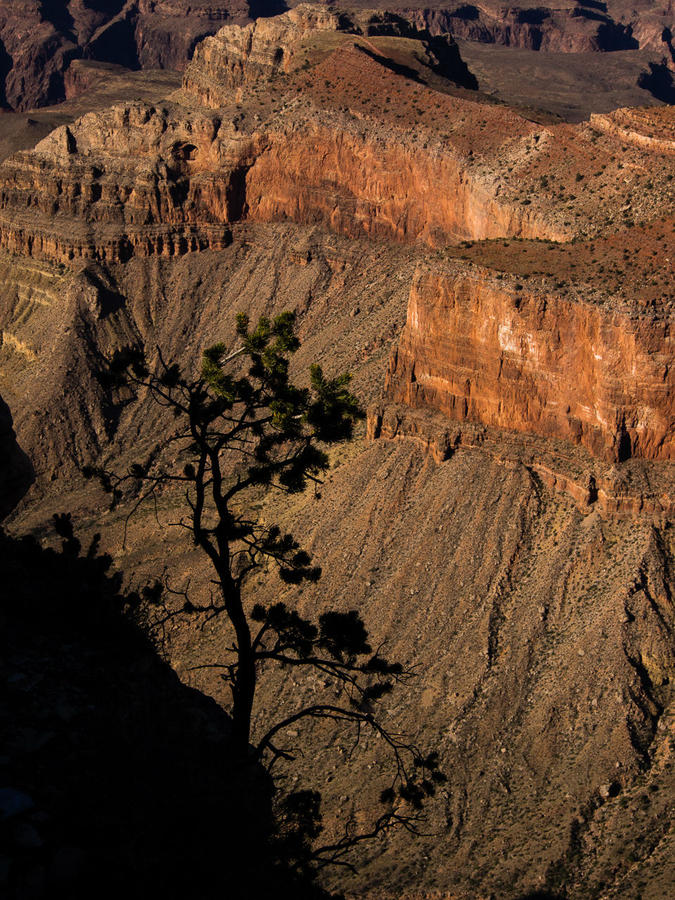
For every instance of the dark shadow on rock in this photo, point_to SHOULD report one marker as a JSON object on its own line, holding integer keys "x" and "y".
{"x": 449, "y": 62}
{"x": 57, "y": 13}
{"x": 116, "y": 43}
{"x": 667, "y": 38}
{"x": 593, "y": 4}
{"x": 615, "y": 36}
{"x": 467, "y": 11}
{"x": 265, "y": 9}
{"x": 398, "y": 68}
{"x": 108, "y": 299}
{"x": 659, "y": 81}
{"x": 6, "y": 63}
{"x": 115, "y": 779}
{"x": 16, "y": 470}
{"x": 111, "y": 7}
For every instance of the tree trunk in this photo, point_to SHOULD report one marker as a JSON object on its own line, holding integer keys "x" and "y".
{"x": 244, "y": 693}
{"x": 243, "y": 689}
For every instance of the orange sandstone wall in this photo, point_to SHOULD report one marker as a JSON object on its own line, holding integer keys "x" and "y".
{"x": 479, "y": 350}
{"x": 358, "y": 185}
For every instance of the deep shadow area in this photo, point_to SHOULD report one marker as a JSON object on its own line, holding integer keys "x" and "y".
{"x": 16, "y": 469}
{"x": 115, "y": 779}
{"x": 612, "y": 36}
{"x": 116, "y": 44}
{"x": 265, "y": 9}
{"x": 450, "y": 63}
{"x": 659, "y": 81}
{"x": 56, "y": 12}
{"x": 109, "y": 300}
{"x": 6, "y": 64}
{"x": 398, "y": 68}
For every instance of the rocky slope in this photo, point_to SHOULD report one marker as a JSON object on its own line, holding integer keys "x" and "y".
{"x": 488, "y": 569}
{"x": 543, "y": 638}
{"x": 501, "y": 289}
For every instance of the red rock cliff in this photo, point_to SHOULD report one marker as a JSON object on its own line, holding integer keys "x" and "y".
{"x": 358, "y": 184}
{"x": 481, "y": 350}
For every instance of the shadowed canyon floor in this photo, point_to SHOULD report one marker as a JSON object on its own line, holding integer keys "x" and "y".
{"x": 500, "y": 284}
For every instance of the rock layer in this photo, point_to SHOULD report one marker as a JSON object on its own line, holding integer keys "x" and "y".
{"x": 480, "y": 350}
{"x": 176, "y": 181}
{"x": 166, "y": 180}
{"x": 635, "y": 126}
{"x": 161, "y": 199}
{"x": 360, "y": 186}
{"x": 634, "y": 490}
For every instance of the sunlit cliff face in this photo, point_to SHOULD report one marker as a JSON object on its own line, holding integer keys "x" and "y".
{"x": 484, "y": 351}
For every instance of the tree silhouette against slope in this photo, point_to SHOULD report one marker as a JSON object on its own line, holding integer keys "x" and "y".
{"x": 243, "y": 427}
{"x": 129, "y": 790}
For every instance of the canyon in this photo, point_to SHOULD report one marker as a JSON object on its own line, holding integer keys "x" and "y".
{"x": 500, "y": 284}
{"x": 39, "y": 41}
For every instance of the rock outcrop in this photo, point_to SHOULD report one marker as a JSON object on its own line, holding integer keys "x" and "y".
{"x": 165, "y": 202}
{"x": 639, "y": 128}
{"x": 634, "y": 490}
{"x": 482, "y": 350}
{"x": 236, "y": 56}
{"x": 179, "y": 176}
{"x": 185, "y": 180}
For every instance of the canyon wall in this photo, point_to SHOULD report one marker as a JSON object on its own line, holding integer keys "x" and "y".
{"x": 38, "y": 40}
{"x": 575, "y": 29}
{"x": 357, "y": 186}
{"x": 159, "y": 193}
{"x": 175, "y": 182}
{"x": 170, "y": 180}
{"x": 484, "y": 350}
